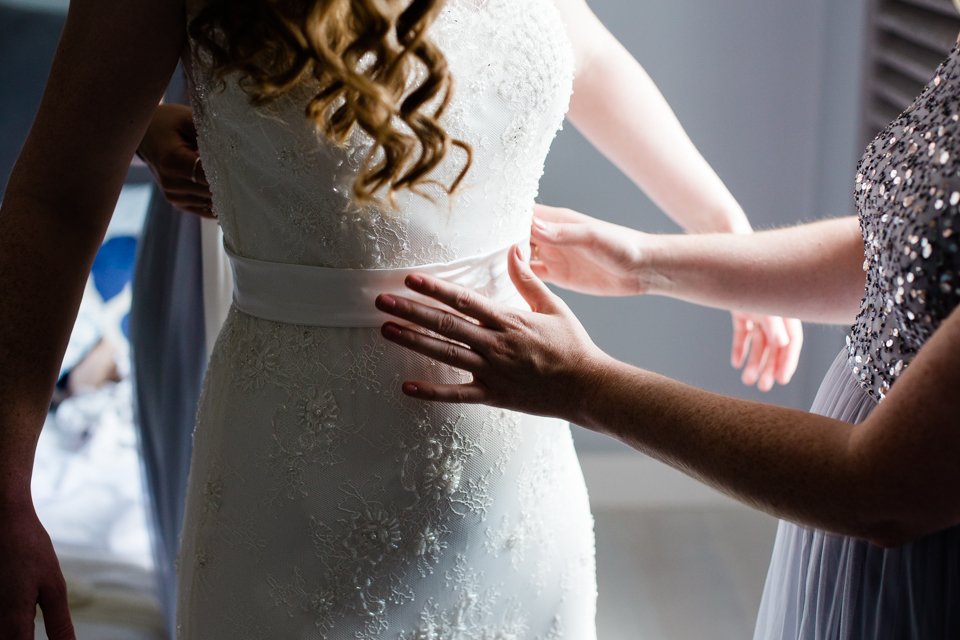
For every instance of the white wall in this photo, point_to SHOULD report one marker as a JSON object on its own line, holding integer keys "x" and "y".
{"x": 768, "y": 90}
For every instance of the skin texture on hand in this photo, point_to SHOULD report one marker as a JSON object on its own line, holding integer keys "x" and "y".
{"x": 584, "y": 254}
{"x": 31, "y": 576}
{"x": 169, "y": 148}
{"x": 519, "y": 360}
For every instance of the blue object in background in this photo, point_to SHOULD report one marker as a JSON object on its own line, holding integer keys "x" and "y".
{"x": 113, "y": 267}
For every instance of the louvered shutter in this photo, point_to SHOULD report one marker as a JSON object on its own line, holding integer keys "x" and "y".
{"x": 906, "y": 41}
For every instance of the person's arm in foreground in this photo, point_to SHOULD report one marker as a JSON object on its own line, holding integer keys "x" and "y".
{"x": 891, "y": 479}
{"x": 112, "y": 64}
{"x": 620, "y": 110}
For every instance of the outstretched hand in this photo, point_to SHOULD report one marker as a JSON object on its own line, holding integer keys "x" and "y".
{"x": 32, "y": 577}
{"x": 528, "y": 361}
{"x": 169, "y": 148}
{"x": 584, "y": 254}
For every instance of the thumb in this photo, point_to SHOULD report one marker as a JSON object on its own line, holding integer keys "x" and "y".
{"x": 532, "y": 288}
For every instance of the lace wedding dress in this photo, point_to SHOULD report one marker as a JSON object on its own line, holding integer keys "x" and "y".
{"x": 322, "y": 502}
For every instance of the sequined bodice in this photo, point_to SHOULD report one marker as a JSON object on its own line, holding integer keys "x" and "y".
{"x": 283, "y": 194}
{"x": 908, "y": 198}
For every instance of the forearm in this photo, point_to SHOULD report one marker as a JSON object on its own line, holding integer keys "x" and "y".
{"x": 35, "y": 313}
{"x": 790, "y": 464}
{"x": 60, "y": 196}
{"x": 622, "y": 113}
{"x": 813, "y": 271}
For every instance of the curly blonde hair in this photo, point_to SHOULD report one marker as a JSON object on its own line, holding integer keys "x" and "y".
{"x": 362, "y": 55}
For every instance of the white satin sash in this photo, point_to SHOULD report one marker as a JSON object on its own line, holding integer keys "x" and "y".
{"x": 217, "y": 280}
{"x": 329, "y": 297}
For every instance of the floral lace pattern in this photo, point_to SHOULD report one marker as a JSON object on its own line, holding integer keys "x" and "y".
{"x": 269, "y": 168}
{"x": 323, "y": 502}
{"x": 353, "y": 503}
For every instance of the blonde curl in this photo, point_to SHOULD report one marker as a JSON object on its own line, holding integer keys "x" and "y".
{"x": 362, "y": 55}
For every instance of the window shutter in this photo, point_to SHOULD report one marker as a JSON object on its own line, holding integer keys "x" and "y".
{"x": 906, "y": 41}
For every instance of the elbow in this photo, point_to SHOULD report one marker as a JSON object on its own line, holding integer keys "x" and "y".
{"x": 891, "y": 536}
{"x": 908, "y": 526}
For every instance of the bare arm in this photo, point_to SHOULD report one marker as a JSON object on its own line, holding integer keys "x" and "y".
{"x": 112, "y": 64}
{"x": 813, "y": 271}
{"x": 891, "y": 479}
{"x": 96, "y": 107}
{"x": 624, "y": 115}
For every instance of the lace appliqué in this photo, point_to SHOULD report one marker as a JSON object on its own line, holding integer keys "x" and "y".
{"x": 472, "y": 614}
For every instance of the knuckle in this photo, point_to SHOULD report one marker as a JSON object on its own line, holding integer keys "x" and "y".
{"x": 512, "y": 320}
{"x": 463, "y": 300}
{"x": 446, "y": 323}
{"x": 452, "y": 352}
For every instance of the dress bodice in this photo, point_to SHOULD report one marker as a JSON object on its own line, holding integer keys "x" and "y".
{"x": 283, "y": 194}
{"x": 908, "y": 198}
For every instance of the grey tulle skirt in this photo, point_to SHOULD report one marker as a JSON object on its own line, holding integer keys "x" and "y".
{"x": 827, "y": 587}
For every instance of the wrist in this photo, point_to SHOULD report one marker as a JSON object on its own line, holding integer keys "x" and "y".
{"x": 589, "y": 382}
{"x": 15, "y": 494}
{"x": 652, "y": 264}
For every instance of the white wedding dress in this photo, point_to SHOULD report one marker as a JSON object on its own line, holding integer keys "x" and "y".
{"x": 323, "y": 503}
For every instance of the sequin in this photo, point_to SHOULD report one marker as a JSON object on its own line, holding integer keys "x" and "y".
{"x": 908, "y": 222}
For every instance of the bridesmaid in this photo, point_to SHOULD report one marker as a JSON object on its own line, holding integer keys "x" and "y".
{"x": 867, "y": 482}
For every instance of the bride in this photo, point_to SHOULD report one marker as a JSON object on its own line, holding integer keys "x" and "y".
{"x": 323, "y": 502}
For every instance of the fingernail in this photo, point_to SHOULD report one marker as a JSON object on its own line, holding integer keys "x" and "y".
{"x": 386, "y": 301}
{"x": 545, "y": 229}
{"x": 414, "y": 281}
{"x": 392, "y": 330}
{"x": 410, "y": 388}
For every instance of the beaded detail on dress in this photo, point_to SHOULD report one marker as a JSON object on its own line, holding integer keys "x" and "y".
{"x": 908, "y": 198}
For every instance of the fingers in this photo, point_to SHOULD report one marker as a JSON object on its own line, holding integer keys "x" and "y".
{"x": 563, "y": 234}
{"x": 789, "y": 357}
{"x": 56, "y": 614}
{"x": 742, "y": 328}
{"x": 558, "y": 214}
{"x": 775, "y": 330}
{"x": 758, "y": 348}
{"x": 186, "y": 201}
{"x": 533, "y": 290}
{"x": 183, "y": 166}
{"x": 439, "y": 321}
{"x": 464, "y": 301}
{"x": 443, "y": 351}
{"x": 473, "y": 393}
{"x": 768, "y": 372}
{"x": 185, "y": 187}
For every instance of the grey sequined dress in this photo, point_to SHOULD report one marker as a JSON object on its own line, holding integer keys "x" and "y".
{"x": 822, "y": 586}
